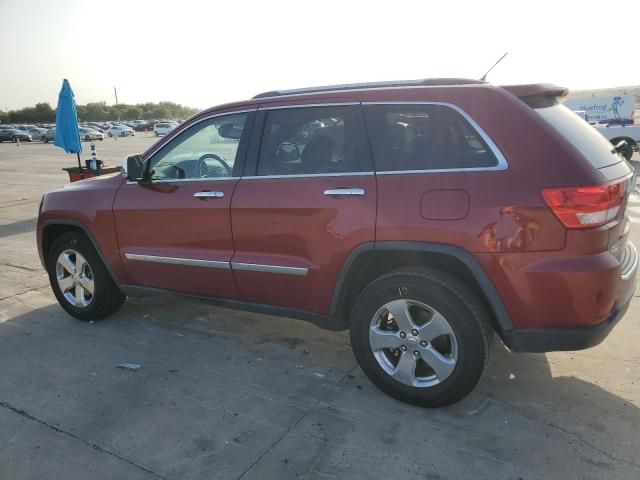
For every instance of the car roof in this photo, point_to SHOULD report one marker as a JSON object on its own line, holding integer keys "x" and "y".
{"x": 424, "y": 82}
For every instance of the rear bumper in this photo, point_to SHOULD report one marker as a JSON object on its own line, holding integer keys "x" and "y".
{"x": 563, "y": 302}
{"x": 540, "y": 340}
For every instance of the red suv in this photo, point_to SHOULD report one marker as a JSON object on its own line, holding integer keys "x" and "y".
{"x": 423, "y": 216}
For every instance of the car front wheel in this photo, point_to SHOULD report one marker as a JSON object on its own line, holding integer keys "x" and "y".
{"x": 79, "y": 279}
{"x": 421, "y": 336}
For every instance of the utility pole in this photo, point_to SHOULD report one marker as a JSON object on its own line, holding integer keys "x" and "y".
{"x": 115, "y": 92}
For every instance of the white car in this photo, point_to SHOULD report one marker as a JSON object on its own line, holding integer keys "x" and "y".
{"x": 616, "y": 133}
{"x": 163, "y": 128}
{"x": 36, "y": 132}
{"x": 120, "y": 131}
{"x": 89, "y": 134}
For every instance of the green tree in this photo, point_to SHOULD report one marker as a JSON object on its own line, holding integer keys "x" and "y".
{"x": 133, "y": 113}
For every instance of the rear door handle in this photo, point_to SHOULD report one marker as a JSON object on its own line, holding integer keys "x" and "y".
{"x": 344, "y": 192}
{"x": 204, "y": 195}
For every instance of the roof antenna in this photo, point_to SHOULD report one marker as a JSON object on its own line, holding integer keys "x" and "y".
{"x": 484, "y": 77}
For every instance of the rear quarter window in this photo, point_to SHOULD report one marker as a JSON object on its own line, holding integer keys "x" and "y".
{"x": 424, "y": 137}
{"x": 589, "y": 142}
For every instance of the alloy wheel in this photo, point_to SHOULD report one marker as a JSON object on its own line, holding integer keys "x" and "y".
{"x": 413, "y": 343}
{"x": 75, "y": 278}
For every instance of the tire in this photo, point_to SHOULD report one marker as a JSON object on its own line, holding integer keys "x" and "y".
{"x": 123, "y": 134}
{"x": 460, "y": 351}
{"x": 110, "y": 134}
{"x": 627, "y": 151}
{"x": 87, "y": 138}
{"x": 14, "y": 139}
{"x": 106, "y": 298}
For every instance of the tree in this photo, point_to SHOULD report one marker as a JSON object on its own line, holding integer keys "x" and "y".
{"x": 133, "y": 113}
{"x": 99, "y": 111}
{"x": 44, "y": 113}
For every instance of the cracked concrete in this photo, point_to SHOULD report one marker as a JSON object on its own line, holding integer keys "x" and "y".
{"x": 228, "y": 395}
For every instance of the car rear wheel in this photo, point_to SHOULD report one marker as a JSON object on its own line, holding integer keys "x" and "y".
{"x": 421, "y": 336}
{"x": 79, "y": 279}
{"x": 87, "y": 138}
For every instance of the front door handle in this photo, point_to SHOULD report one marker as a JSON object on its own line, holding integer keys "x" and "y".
{"x": 344, "y": 192}
{"x": 205, "y": 195}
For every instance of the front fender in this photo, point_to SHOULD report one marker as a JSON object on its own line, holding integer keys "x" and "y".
{"x": 88, "y": 206}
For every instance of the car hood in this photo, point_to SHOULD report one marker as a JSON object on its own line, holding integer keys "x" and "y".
{"x": 112, "y": 180}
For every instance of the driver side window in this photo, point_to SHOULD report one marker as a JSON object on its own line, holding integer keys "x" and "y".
{"x": 206, "y": 150}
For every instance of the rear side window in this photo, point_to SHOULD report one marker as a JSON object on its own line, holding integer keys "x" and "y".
{"x": 313, "y": 140}
{"x": 589, "y": 142}
{"x": 424, "y": 137}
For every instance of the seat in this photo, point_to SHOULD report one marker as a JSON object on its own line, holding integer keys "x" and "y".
{"x": 317, "y": 155}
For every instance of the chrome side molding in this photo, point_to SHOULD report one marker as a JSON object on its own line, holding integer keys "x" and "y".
{"x": 193, "y": 262}
{"x": 255, "y": 267}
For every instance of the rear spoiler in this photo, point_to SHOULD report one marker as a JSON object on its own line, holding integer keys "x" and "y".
{"x": 538, "y": 95}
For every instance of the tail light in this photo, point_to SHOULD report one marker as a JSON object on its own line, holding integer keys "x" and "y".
{"x": 586, "y": 207}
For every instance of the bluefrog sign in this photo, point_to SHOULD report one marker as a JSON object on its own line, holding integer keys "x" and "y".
{"x": 604, "y": 108}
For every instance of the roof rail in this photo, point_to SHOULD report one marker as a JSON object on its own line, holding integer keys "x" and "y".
{"x": 425, "y": 82}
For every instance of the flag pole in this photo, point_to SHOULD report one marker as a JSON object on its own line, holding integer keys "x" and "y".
{"x": 79, "y": 164}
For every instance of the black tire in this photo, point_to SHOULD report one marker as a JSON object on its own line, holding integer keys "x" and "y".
{"x": 107, "y": 297}
{"x": 627, "y": 151}
{"x": 123, "y": 134}
{"x": 460, "y": 307}
{"x": 14, "y": 139}
{"x": 87, "y": 138}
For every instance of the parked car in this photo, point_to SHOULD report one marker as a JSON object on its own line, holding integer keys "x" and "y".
{"x": 424, "y": 218}
{"x": 142, "y": 127}
{"x": 49, "y": 135}
{"x": 120, "y": 131}
{"x": 35, "y": 132}
{"x": 89, "y": 134}
{"x": 13, "y": 135}
{"x": 163, "y": 128}
{"x": 617, "y": 133}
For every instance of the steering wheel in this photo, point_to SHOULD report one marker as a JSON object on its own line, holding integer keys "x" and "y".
{"x": 203, "y": 168}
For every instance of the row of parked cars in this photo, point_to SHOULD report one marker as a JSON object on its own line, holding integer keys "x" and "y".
{"x": 89, "y": 131}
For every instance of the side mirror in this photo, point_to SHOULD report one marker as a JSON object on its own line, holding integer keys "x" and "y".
{"x": 133, "y": 167}
{"x": 288, "y": 152}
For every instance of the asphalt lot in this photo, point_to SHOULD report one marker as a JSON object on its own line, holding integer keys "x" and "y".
{"x": 228, "y": 395}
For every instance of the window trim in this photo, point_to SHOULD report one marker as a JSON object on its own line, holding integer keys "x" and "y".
{"x": 255, "y": 143}
{"x": 248, "y": 125}
{"x": 502, "y": 161}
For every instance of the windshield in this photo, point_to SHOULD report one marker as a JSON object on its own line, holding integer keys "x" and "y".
{"x": 589, "y": 142}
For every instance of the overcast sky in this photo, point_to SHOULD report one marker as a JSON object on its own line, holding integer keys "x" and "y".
{"x": 202, "y": 53}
